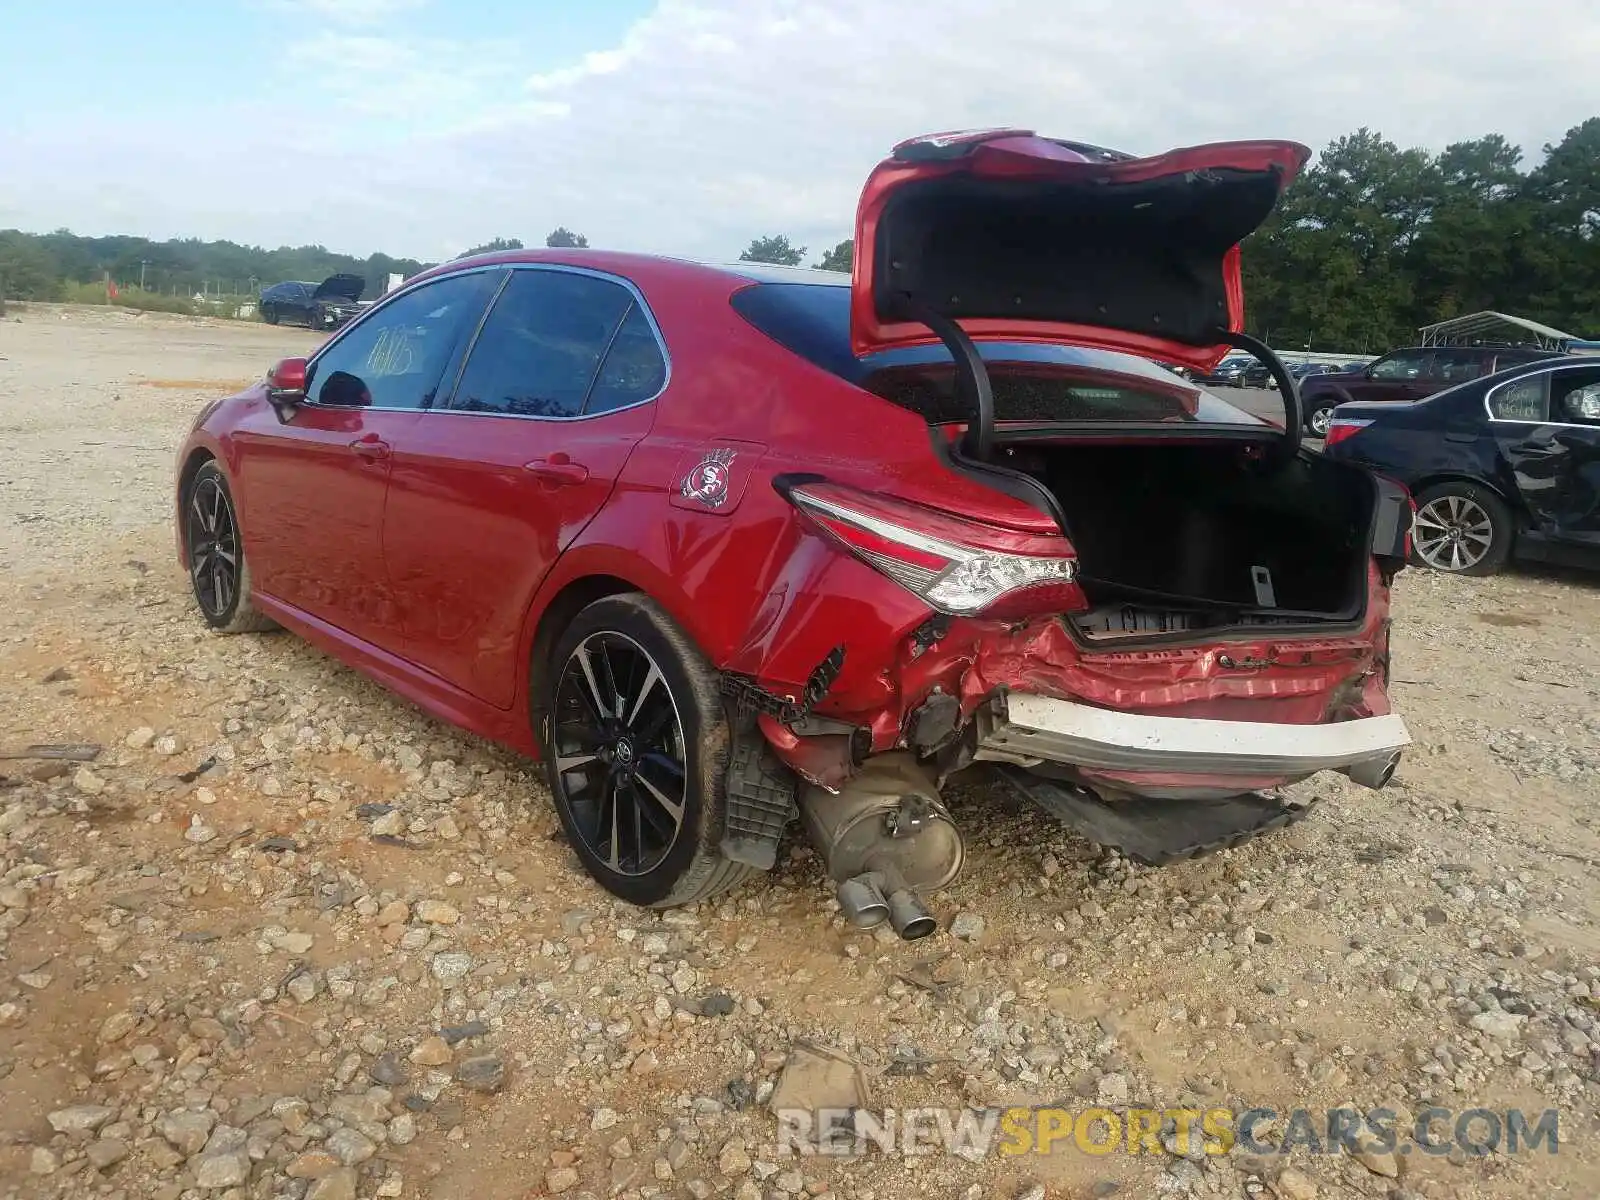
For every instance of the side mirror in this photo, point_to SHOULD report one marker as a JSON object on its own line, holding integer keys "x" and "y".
{"x": 286, "y": 385}
{"x": 287, "y": 379}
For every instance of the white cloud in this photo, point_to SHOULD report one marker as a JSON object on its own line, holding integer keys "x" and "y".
{"x": 422, "y": 83}
{"x": 712, "y": 121}
{"x": 709, "y": 122}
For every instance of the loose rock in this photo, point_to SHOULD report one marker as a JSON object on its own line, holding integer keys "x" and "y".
{"x": 81, "y": 1118}
{"x": 481, "y": 1073}
{"x": 1293, "y": 1185}
{"x": 967, "y": 926}
{"x": 339, "y": 1185}
{"x": 436, "y": 912}
{"x": 432, "y": 1052}
{"x": 451, "y": 966}
{"x": 733, "y": 1160}
{"x": 350, "y": 1146}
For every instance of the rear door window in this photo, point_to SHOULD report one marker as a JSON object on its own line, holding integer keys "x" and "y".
{"x": 1524, "y": 399}
{"x": 540, "y": 351}
{"x": 1458, "y": 366}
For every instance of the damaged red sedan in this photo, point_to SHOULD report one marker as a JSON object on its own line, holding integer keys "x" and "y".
{"x": 732, "y": 547}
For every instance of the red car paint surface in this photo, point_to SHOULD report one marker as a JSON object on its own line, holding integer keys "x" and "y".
{"x": 440, "y": 551}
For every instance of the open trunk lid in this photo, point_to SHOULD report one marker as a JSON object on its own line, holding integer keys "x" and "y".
{"x": 1024, "y": 238}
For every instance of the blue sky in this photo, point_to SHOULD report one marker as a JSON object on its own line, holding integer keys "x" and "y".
{"x": 421, "y": 127}
{"x": 153, "y": 56}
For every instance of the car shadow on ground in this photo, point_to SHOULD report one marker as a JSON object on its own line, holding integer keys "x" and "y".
{"x": 1553, "y": 573}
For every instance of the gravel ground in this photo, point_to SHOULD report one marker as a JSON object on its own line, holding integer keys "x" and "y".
{"x": 287, "y": 937}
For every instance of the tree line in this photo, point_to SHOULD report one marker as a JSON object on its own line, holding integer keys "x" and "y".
{"x": 1373, "y": 241}
{"x": 65, "y": 265}
{"x": 60, "y": 265}
{"x": 1370, "y": 243}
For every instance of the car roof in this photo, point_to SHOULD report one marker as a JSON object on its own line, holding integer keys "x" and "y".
{"x": 624, "y": 262}
{"x": 773, "y": 273}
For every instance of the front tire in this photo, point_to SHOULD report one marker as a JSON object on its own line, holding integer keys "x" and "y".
{"x": 1461, "y": 528}
{"x": 219, "y": 573}
{"x": 269, "y": 314}
{"x": 636, "y": 743}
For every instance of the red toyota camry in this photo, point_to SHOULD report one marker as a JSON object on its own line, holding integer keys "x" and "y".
{"x": 730, "y": 547}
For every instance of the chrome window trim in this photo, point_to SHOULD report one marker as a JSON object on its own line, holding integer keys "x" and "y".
{"x": 350, "y": 326}
{"x": 1550, "y": 370}
{"x": 446, "y": 409}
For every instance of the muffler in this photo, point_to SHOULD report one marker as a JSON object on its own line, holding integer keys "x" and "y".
{"x": 1374, "y": 772}
{"x": 884, "y": 837}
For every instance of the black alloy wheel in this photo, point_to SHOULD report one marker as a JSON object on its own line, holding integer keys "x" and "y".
{"x": 635, "y": 739}
{"x": 213, "y": 548}
{"x": 218, "y": 571}
{"x": 619, "y": 749}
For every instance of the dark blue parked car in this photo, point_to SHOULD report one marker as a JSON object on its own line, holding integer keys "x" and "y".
{"x": 325, "y": 305}
{"x": 1504, "y": 466}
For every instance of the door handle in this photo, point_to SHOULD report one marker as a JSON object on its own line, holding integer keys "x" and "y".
{"x": 557, "y": 469}
{"x": 371, "y": 446}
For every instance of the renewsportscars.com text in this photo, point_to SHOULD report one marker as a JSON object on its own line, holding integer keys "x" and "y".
{"x": 977, "y": 1133}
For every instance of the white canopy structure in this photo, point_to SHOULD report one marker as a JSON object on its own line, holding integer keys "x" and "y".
{"x": 1494, "y": 328}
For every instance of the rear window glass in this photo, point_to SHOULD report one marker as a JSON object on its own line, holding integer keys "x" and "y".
{"x": 930, "y": 390}
{"x": 1031, "y": 382}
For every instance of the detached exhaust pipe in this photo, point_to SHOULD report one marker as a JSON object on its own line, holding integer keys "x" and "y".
{"x": 1374, "y": 772}
{"x": 873, "y": 897}
{"x": 884, "y": 837}
{"x": 909, "y": 916}
{"x": 862, "y": 901}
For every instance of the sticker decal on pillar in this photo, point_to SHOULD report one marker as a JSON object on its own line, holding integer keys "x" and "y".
{"x": 707, "y": 482}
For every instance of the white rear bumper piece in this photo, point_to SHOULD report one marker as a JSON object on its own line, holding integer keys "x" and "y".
{"x": 1027, "y": 729}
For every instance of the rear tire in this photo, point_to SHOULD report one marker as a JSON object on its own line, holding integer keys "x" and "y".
{"x": 219, "y": 573}
{"x": 636, "y": 744}
{"x": 1318, "y": 416}
{"x": 1483, "y": 527}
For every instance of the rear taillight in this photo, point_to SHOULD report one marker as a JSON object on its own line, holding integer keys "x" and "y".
{"x": 954, "y": 565}
{"x": 1342, "y": 429}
